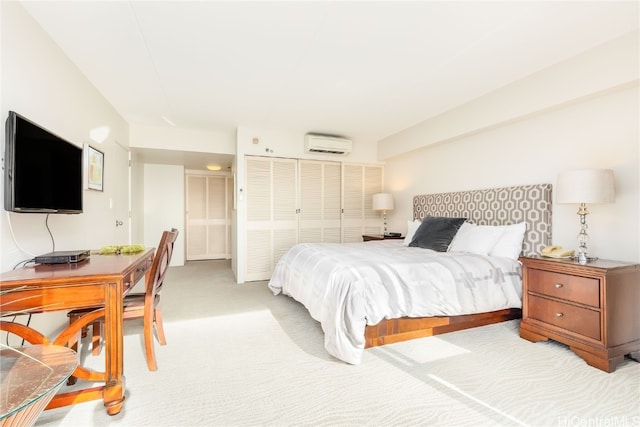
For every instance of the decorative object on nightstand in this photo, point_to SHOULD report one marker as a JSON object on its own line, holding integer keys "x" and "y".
{"x": 383, "y": 202}
{"x": 591, "y": 308}
{"x": 582, "y": 187}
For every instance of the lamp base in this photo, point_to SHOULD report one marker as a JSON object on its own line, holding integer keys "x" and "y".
{"x": 583, "y": 237}
{"x": 588, "y": 259}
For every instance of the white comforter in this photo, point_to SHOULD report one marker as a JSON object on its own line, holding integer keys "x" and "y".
{"x": 350, "y": 285}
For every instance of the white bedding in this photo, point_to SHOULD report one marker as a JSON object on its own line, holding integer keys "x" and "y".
{"x": 347, "y": 286}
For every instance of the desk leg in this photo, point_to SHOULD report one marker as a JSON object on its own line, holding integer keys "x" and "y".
{"x": 113, "y": 329}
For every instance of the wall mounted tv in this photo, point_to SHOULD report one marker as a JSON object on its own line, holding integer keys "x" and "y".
{"x": 42, "y": 172}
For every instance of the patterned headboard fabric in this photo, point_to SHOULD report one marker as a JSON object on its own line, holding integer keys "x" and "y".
{"x": 496, "y": 206}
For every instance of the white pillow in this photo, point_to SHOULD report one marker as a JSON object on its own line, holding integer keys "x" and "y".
{"x": 510, "y": 242}
{"x": 412, "y": 226}
{"x": 476, "y": 239}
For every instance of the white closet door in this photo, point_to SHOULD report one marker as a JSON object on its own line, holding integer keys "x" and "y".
{"x": 219, "y": 220}
{"x": 230, "y": 196}
{"x": 285, "y": 203}
{"x": 272, "y": 221}
{"x": 332, "y": 208}
{"x": 319, "y": 218}
{"x": 359, "y": 184}
{"x": 208, "y": 217}
{"x": 258, "y": 196}
{"x": 196, "y": 217}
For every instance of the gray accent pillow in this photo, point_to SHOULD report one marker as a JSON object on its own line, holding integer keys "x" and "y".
{"x": 436, "y": 232}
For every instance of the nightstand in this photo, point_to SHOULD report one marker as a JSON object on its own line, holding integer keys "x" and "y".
{"x": 592, "y": 308}
{"x": 367, "y": 237}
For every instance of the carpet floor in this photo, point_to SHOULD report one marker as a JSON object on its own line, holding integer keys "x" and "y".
{"x": 237, "y": 355}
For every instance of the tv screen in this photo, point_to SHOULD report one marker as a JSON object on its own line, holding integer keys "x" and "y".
{"x": 43, "y": 172}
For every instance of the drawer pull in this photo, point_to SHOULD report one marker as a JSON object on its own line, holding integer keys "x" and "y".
{"x": 559, "y": 314}
{"x": 558, "y": 285}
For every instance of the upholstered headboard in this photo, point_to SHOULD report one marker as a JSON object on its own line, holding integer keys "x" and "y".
{"x": 496, "y": 206}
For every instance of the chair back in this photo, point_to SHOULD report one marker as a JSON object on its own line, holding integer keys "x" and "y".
{"x": 160, "y": 265}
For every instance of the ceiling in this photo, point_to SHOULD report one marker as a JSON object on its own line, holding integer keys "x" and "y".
{"x": 359, "y": 69}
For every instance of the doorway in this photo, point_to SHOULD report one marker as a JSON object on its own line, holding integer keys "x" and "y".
{"x": 208, "y": 215}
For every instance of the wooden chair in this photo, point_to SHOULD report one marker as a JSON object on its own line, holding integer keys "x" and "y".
{"x": 145, "y": 305}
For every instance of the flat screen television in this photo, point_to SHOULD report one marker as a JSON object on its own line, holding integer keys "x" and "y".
{"x": 42, "y": 172}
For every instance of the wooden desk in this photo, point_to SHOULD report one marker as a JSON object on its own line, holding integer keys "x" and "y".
{"x": 102, "y": 279}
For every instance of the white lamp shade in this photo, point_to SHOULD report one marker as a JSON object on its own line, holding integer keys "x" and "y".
{"x": 382, "y": 202}
{"x": 585, "y": 186}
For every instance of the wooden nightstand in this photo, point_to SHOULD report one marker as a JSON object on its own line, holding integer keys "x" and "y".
{"x": 367, "y": 237}
{"x": 592, "y": 308}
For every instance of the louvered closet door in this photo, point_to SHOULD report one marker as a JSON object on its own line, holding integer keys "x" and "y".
{"x": 332, "y": 208}
{"x": 208, "y": 217}
{"x": 272, "y": 222}
{"x": 359, "y": 184}
{"x": 219, "y": 217}
{"x": 319, "y": 218}
{"x": 230, "y": 207}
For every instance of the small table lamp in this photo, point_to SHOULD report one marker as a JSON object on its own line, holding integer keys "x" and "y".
{"x": 383, "y": 202}
{"x": 582, "y": 187}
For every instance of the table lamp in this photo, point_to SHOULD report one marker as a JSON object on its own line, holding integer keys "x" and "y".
{"x": 383, "y": 202}
{"x": 582, "y": 187}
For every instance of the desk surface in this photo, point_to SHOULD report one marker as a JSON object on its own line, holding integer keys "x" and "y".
{"x": 96, "y": 266}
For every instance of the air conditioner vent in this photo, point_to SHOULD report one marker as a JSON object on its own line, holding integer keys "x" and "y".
{"x": 327, "y": 144}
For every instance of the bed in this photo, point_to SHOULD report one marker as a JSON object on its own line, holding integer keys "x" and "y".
{"x": 379, "y": 292}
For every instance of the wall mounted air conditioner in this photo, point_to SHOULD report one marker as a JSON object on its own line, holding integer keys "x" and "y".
{"x": 327, "y": 144}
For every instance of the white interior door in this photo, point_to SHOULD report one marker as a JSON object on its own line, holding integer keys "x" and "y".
{"x": 208, "y": 217}
{"x": 161, "y": 184}
{"x": 119, "y": 191}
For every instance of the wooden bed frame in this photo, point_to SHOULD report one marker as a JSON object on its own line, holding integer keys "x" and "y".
{"x": 406, "y": 328}
{"x": 497, "y": 206}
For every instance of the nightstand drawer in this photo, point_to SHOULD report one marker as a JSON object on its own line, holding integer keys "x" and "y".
{"x": 583, "y": 290}
{"x": 566, "y": 316}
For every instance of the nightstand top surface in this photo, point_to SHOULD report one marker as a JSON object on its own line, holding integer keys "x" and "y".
{"x": 599, "y": 263}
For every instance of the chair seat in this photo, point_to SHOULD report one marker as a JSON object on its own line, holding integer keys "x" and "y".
{"x": 130, "y": 302}
{"x": 135, "y": 302}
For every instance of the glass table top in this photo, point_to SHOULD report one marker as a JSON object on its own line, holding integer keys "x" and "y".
{"x": 31, "y": 373}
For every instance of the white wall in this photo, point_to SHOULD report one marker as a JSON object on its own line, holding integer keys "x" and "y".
{"x": 600, "y": 69}
{"x": 171, "y": 138}
{"x": 594, "y": 127}
{"x": 39, "y": 82}
{"x": 164, "y": 206}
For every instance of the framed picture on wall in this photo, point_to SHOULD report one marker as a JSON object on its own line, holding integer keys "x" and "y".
{"x": 94, "y": 168}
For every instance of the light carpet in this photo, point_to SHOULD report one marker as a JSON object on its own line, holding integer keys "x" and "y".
{"x": 238, "y": 356}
